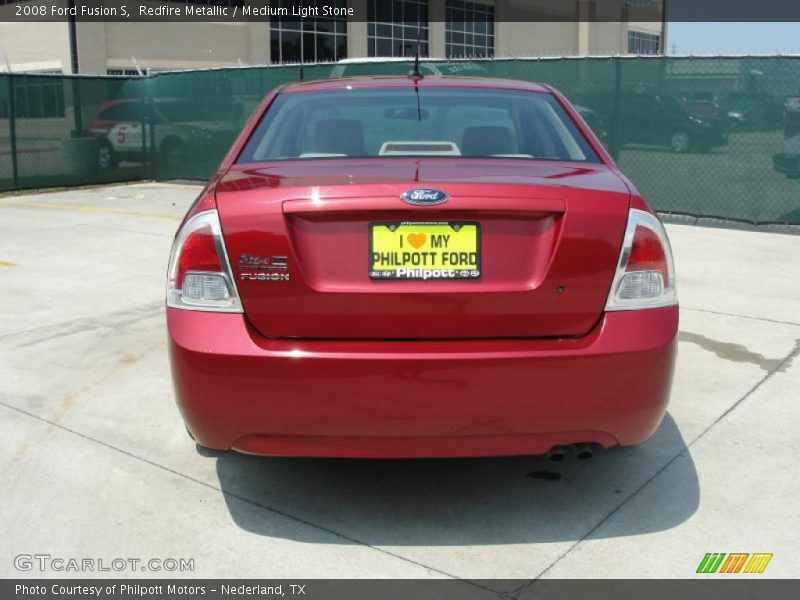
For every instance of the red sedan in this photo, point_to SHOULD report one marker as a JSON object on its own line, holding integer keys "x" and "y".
{"x": 419, "y": 267}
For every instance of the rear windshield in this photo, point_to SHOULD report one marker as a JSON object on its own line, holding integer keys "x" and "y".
{"x": 391, "y": 122}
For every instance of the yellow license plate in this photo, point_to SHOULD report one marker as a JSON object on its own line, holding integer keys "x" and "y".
{"x": 430, "y": 250}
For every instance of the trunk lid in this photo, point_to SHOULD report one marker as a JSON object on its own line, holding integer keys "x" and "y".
{"x": 298, "y": 239}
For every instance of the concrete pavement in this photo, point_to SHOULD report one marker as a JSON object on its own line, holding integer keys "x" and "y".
{"x": 94, "y": 460}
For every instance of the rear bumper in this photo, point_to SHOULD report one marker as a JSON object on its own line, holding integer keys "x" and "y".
{"x": 238, "y": 390}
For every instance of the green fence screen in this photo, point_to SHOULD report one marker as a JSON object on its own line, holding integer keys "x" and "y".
{"x": 711, "y": 137}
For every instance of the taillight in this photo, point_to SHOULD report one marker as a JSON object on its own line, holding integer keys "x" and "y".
{"x": 198, "y": 253}
{"x": 199, "y": 275}
{"x": 645, "y": 276}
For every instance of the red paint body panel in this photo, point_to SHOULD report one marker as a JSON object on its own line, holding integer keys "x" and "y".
{"x": 239, "y": 390}
{"x": 544, "y": 227}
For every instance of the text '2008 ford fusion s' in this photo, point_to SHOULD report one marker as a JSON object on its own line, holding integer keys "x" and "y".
{"x": 420, "y": 267}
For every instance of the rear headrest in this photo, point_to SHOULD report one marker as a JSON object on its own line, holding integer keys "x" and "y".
{"x": 485, "y": 140}
{"x": 339, "y": 136}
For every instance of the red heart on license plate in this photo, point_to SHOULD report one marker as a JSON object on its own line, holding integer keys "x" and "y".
{"x": 416, "y": 239}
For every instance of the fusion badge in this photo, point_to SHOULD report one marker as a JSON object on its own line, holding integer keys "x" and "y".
{"x": 263, "y": 268}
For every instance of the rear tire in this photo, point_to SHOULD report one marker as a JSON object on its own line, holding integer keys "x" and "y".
{"x": 106, "y": 159}
{"x": 680, "y": 142}
{"x": 173, "y": 153}
{"x": 202, "y": 450}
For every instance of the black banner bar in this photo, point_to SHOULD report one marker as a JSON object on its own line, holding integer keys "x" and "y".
{"x": 715, "y": 587}
{"x": 505, "y": 10}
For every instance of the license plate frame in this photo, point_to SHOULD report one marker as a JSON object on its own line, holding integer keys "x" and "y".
{"x": 465, "y": 270}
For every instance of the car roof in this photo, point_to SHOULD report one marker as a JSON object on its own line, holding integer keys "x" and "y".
{"x": 379, "y": 81}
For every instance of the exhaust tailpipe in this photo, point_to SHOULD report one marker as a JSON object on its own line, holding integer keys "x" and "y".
{"x": 583, "y": 451}
{"x": 556, "y": 453}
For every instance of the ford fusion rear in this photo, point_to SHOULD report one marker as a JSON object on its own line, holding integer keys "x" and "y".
{"x": 409, "y": 267}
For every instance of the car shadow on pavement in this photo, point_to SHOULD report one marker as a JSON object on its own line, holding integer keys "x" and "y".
{"x": 458, "y": 501}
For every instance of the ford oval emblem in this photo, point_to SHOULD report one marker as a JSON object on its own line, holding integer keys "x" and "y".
{"x": 424, "y": 197}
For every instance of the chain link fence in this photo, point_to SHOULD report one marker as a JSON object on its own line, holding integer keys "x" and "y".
{"x": 707, "y": 137}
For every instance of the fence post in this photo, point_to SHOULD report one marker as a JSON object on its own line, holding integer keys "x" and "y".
{"x": 151, "y": 130}
{"x": 77, "y": 105}
{"x": 147, "y": 166}
{"x": 12, "y": 131}
{"x": 614, "y": 142}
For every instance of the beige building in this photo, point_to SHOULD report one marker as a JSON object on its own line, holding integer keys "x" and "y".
{"x": 447, "y": 28}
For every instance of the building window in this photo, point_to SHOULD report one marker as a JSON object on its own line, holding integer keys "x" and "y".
{"x": 394, "y": 26}
{"x": 469, "y": 29}
{"x": 313, "y": 39}
{"x": 643, "y": 43}
{"x": 125, "y": 72}
{"x": 36, "y": 98}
